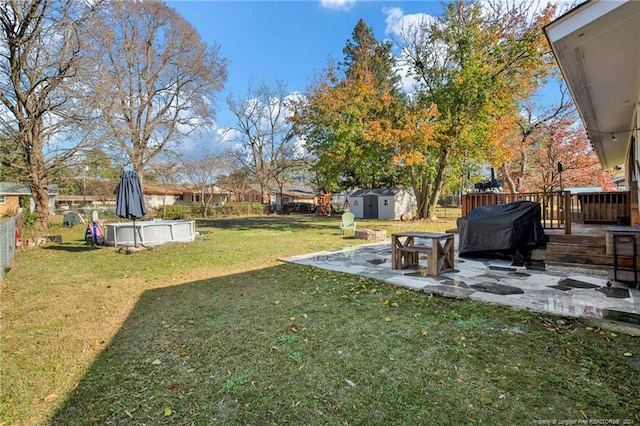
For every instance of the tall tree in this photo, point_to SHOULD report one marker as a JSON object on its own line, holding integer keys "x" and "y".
{"x": 41, "y": 48}
{"x": 475, "y": 63}
{"x": 518, "y": 135}
{"x": 155, "y": 79}
{"x": 339, "y": 108}
{"x": 265, "y": 143}
{"x": 559, "y": 141}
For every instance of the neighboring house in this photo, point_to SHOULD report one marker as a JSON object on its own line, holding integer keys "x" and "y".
{"x": 294, "y": 195}
{"x": 66, "y": 202}
{"x": 596, "y": 47}
{"x": 157, "y": 195}
{"x": 253, "y": 194}
{"x": 390, "y": 203}
{"x": 215, "y": 195}
{"x": 11, "y": 193}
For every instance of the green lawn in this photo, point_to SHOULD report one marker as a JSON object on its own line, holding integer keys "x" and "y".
{"x": 219, "y": 331}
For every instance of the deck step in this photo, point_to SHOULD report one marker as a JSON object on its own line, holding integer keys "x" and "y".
{"x": 594, "y": 249}
{"x": 577, "y": 239}
{"x": 599, "y": 270}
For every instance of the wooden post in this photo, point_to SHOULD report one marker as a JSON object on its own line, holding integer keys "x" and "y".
{"x": 567, "y": 212}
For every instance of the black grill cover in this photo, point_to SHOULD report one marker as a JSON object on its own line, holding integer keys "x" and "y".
{"x": 501, "y": 227}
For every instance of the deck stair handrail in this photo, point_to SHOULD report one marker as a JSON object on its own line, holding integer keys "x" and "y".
{"x": 556, "y": 206}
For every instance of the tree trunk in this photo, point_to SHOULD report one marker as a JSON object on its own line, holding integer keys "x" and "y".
{"x": 421, "y": 190}
{"x": 438, "y": 183}
{"x": 36, "y": 162}
{"x": 508, "y": 179}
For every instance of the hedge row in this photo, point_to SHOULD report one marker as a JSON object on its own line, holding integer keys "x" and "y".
{"x": 190, "y": 211}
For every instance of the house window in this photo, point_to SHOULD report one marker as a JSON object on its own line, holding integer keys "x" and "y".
{"x": 2, "y": 199}
{"x": 355, "y": 203}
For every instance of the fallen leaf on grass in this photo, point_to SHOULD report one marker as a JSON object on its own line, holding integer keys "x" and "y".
{"x": 628, "y": 354}
{"x": 51, "y": 398}
{"x": 156, "y": 362}
{"x": 167, "y": 411}
{"x": 97, "y": 343}
{"x": 485, "y": 399}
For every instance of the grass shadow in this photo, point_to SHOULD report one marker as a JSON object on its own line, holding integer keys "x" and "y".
{"x": 70, "y": 248}
{"x": 291, "y": 344}
{"x": 272, "y": 222}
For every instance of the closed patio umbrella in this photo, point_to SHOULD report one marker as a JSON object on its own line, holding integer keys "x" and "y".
{"x": 129, "y": 199}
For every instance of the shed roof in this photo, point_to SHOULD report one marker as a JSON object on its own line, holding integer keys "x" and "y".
{"x": 380, "y": 192}
{"x": 11, "y": 188}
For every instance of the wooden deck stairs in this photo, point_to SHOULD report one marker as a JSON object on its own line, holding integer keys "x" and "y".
{"x": 579, "y": 250}
{"x": 586, "y": 250}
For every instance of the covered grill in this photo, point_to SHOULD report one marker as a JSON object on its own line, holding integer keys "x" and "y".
{"x": 513, "y": 227}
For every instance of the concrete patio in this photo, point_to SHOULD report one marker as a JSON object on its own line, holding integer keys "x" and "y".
{"x": 570, "y": 292}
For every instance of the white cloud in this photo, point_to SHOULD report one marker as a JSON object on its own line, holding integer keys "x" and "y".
{"x": 398, "y": 27}
{"x": 337, "y": 4}
{"x": 398, "y": 23}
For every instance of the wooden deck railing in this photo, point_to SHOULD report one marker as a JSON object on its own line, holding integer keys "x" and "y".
{"x": 603, "y": 207}
{"x": 556, "y": 206}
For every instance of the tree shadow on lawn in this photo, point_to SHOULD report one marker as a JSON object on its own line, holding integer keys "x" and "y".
{"x": 274, "y": 222}
{"x": 183, "y": 350}
{"x": 294, "y": 344}
{"x": 70, "y": 248}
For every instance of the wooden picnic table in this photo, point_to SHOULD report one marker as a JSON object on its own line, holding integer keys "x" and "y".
{"x": 406, "y": 248}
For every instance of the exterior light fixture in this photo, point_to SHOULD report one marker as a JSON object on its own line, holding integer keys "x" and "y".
{"x": 613, "y": 138}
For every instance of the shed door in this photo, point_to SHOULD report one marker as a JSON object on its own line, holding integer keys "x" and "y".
{"x": 370, "y": 207}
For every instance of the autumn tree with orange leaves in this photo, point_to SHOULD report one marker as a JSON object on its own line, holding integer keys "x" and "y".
{"x": 473, "y": 67}
{"x": 475, "y": 63}
{"x": 347, "y": 114}
{"x": 558, "y": 141}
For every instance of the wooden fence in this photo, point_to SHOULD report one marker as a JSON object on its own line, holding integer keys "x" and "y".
{"x": 556, "y": 206}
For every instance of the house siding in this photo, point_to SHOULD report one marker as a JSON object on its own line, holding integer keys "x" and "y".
{"x": 10, "y": 206}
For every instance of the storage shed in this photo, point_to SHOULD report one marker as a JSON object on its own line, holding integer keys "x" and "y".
{"x": 390, "y": 203}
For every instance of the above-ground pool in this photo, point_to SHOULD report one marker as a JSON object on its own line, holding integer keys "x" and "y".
{"x": 150, "y": 232}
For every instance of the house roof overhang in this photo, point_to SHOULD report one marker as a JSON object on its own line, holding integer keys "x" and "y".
{"x": 597, "y": 47}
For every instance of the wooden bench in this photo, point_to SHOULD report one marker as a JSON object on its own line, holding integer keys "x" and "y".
{"x": 410, "y": 256}
{"x": 405, "y": 253}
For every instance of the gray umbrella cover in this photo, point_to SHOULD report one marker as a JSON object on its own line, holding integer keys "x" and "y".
{"x": 129, "y": 199}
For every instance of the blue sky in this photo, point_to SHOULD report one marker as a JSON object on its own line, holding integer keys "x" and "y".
{"x": 289, "y": 41}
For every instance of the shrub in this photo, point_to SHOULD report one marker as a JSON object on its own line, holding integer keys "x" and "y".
{"x": 178, "y": 211}
{"x": 298, "y": 208}
{"x": 239, "y": 209}
{"x": 188, "y": 211}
